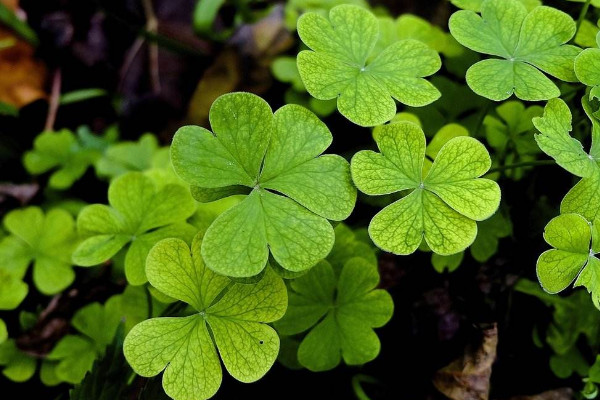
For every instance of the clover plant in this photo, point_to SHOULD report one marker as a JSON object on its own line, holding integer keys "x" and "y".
{"x": 341, "y": 64}
{"x": 238, "y": 244}
{"x": 228, "y": 317}
{"x": 139, "y": 215}
{"x": 255, "y": 152}
{"x": 442, "y": 205}
{"x": 527, "y": 43}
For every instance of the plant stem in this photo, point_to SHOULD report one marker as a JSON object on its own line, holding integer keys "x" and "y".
{"x": 54, "y": 101}
{"x": 582, "y": 15}
{"x": 522, "y": 164}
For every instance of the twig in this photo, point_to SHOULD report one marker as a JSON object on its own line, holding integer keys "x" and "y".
{"x": 54, "y": 101}
{"x": 520, "y": 165}
{"x": 582, "y": 15}
{"x": 152, "y": 26}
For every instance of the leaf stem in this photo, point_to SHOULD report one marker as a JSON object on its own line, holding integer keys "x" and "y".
{"x": 582, "y": 15}
{"x": 520, "y": 165}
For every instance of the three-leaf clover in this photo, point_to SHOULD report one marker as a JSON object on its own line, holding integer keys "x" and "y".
{"x": 256, "y": 152}
{"x": 18, "y": 366}
{"x": 47, "y": 241}
{"x": 527, "y": 44}
{"x": 75, "y": 354}
{"x": 12, "y": 288}
{"x": 63, "y": 152}
{"x": 573, "y": 257}
{"x": 139, "y": 215}
{"x": 342, "y": 312}
{"x": 230, "y": 317}
{"x": 587, "y": 68}
{"x": 442, "y": 206}
{"x": 342, "y": 64}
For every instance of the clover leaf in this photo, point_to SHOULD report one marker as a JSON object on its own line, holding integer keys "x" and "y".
{"x": 349, "y": 245}
{"x": 46, "y": 240}
{"x": 587, "y": 64}
{"x": 442, "y": 206}
{"x": 340, "y": 312}
{"x": 342, "y": 64}
{"x": 75, "y": 354}
{"x": 554, "y": 139}
{"x": 125, "y": 157}
{"x": 12, "y": 288}
{"x": 573, "y": 256}
{"x": 230, "y": 317}
{"x": 527, "y": 44}
{"x": 139, "y": 215}
{"x": 18, "y": 366}
{"x": 258, "y": 153}
{"x": 489, "y": 232}
{"x": 62, "y": 152}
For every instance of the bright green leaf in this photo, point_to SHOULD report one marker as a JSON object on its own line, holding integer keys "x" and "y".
{"x": 341, "y": 64}
{"x": 527, "y": 42}
{"x": 293, "y": 189}
{"x": 442, "y": 207}
{"x": 47, "y": 241}
{"x": 342, "y": 312}
{"x": 18, "y": 366}
{"x": 183, "y": 347}
{"x": 140, "y": 214}
{"x": 554, "y": 139}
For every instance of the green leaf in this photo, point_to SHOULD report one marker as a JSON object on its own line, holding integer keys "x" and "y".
{"x": 554, "y": 139}
{"x": 475, "y": 5}
{"x": 62, "y": 153}
{"x": 285, "y": 70}
{"x": 236, "y": 315}
{"x": 20, "y": 27}
{"x": 341, "y": 64}
{"x": 528, "y": 44}
{"x": 12, "y": 289}
{"x": 442, "y": 207}
{"x": 44, "y": 240}
{"x": 349, "y": 245}
{"x": 3, "y": 332}
{"x": 77, "y": 96}
{"x": 111, "y": 368}
{"x": 488, "y": 234}
{"x": 139, "y": 215}
{"x": 75, "y": 354}
{"x": 340, "y": 312}
{"x": 18, "y": 366}
{"x": 293, "y": 189}
{"x": 512, "y": 130}
{"x": 450, "y": 263}
{"x": 586, "y": 69}
{"x": 572, "y": 258}
{"x": 128, "y": 156}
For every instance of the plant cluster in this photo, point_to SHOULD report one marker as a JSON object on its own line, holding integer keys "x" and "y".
{"x": 230, "y": 243}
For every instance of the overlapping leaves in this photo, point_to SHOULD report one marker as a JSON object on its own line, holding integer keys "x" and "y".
{"x": 441, "y": 206}
{"x": 229, "y": 317}
{"x": 342, "y": 64}
{"x": 340, "y": 311}
{"x": 139, "y": 215}
{"x": 258, "y": 153}
{"x": 526, "y": 43}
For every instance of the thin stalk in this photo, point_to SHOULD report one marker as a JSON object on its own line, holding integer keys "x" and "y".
{"x": 54, "y": 101}
{"x": 520, "y": 165}
{"x": 582, "y": 14}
